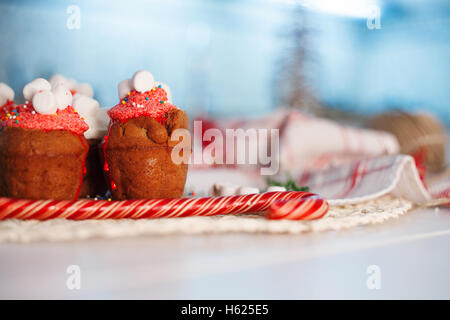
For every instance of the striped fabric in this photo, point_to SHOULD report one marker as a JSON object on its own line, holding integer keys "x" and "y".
{"x": 346, "y": 165}
{"x": 368, "y": 179}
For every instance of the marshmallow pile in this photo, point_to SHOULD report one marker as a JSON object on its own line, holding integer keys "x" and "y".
{"x": 72, "y": 85}
{"x": 47, "y": 99}
{"x": 142, "y": 81}
{"x": 6, "y": 93}
{"x": 96, "y": 118}
{"x": 89, "y": 109}
{"x": 49, "y": 96}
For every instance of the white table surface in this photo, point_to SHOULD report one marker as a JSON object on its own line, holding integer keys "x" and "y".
{"x": 412, "y": 253}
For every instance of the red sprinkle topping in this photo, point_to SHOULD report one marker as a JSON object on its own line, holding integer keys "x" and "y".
{"x": 24, "y": 116}
{"x": 8, "y": 104}
{"x": 151, "y": 103}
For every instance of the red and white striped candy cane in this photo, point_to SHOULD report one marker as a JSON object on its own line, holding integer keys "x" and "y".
{"x": 309, "y": 208}
{"x": 161, "y": 208}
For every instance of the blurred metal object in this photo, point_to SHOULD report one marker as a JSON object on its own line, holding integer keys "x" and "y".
{"x": 416, "y": 133}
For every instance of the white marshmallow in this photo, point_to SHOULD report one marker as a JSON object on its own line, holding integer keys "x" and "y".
{"x": 91, "y": 132}
{"x": 72, "y": 83}
{"x": 60, "y": 79}
{"x": 34, "y": 87}
{"x": 275, "y": 188}
{"x": 44, "y": 102}
{"x": 103, "y": 117}
{"x": 124, "y": 87}
{"x": 98, "y": 124}
{"x": 6, "y": 93}
{"x": 63, "y": 96}
{"x": 85, "y": 89}
{"x": 247, "y": 190}
{"x": 94, "y": 133}
{"x": 3, "y": 100}
{"x": 86, "y": 107}
{"x": 143, "y": 81}
{"x": 167, "y": 89}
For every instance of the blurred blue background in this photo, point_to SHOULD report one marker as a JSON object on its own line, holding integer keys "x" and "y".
{"x": 223, "y": 57}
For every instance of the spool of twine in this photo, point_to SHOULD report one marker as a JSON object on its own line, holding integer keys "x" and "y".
{"x": 418, "y": 133}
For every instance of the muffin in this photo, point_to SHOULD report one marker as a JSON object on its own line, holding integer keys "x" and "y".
{"x": 97, "y": 119}
{"x": 138, "y": 147}
{"x": 42, "y": 146}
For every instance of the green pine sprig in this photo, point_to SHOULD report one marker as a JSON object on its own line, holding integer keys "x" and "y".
{"x": 290, "y": 185}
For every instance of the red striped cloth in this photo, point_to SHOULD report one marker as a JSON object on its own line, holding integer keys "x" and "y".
{"x": 307, "y": 142}
{"x": 368, "y": 179}
{"x": 351, "y": 183}
{"x": 341, "y": 163}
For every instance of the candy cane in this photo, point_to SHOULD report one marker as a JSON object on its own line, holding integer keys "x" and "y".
{"x": 298, "y": 209}
{"x": 283, "y": 205}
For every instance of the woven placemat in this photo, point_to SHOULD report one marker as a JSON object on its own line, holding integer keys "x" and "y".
{"x": 338, "y": 217}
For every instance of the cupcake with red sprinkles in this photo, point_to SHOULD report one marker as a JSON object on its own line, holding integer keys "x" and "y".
{"x": 42, "y": 145}
{"x": 138, "y": 147}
